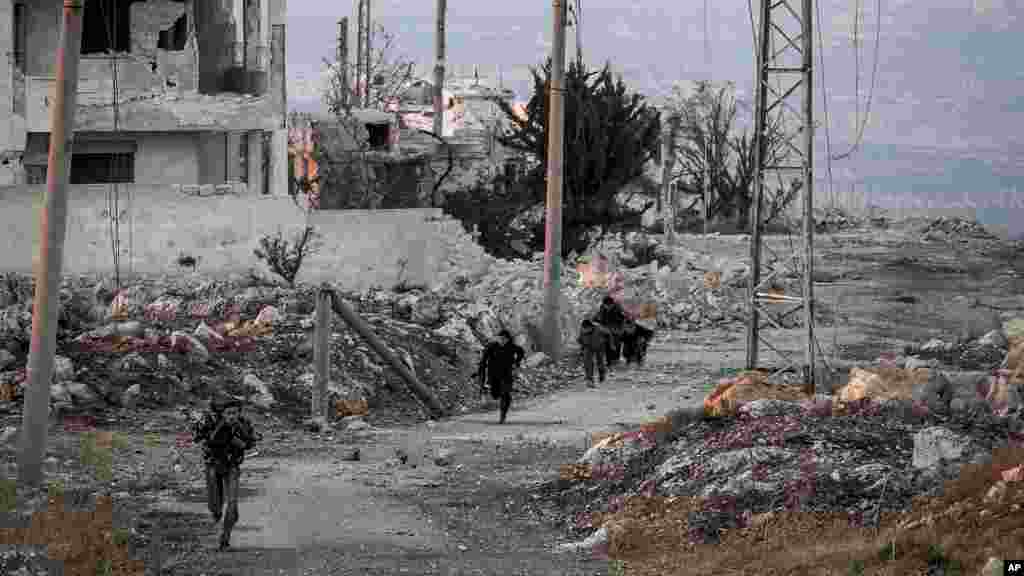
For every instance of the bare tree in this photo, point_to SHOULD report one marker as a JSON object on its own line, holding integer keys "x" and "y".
{"x": 711, "y": 149}
{"x": 344, "y": 150}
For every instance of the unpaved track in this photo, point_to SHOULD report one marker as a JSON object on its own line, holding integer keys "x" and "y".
{"x": 324, "y": 515}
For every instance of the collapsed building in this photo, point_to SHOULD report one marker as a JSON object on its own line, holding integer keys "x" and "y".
{"x": 171, "y": 92}
{"x": 395, "y": 153}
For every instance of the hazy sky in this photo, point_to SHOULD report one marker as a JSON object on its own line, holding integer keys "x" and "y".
{"x": 947, "y": 113}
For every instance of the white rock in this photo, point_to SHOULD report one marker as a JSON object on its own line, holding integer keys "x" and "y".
{"x": 262, "y": 396}
{"x": 444, "y": 457}
{"x": 59, "y": 393}
{"x": 81, "y": 393}
{"x": 207, "y": 334}
{"x": 131, "y": 395}
{"x": 935, "y": 345}
{"x": 268, "y": 316}
{"x": 6, "y": 359}
{"x": 768, "y": 407}
{"x": 535, "y": 360}
{"x": 63, "y": 369}
{"x": 994, "y": 338}
{"x": 935, "y": 444}
{"x": 915, "y": 363}
{"x": 195, "y": 348}
{"x": 599, "y": 537}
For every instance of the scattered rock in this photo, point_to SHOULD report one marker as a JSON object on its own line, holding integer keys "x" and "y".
{"x": 131, "y": 395}
{"x": 918, "y": 363}
{"x": 598, "y": 538}
{"x": 262, "y": 396}
{"x": 81, "y": 393}
{"x": 769, "y": 407}
{"x": 936, "y": 444}
{"x": 536, "y": 359}
{"x": 995, "y": 339}
{"x": 63, "y": 369}
{"x": 444, "y": 457}
{"x": 8, "y": 434}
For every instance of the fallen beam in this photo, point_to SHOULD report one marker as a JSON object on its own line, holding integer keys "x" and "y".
{"x": 363, "y": 329}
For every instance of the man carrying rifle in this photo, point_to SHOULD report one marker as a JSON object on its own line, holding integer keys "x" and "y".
{"x": 225, "y": 435}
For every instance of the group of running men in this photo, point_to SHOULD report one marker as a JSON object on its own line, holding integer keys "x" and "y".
{"x": 610, "y": 335}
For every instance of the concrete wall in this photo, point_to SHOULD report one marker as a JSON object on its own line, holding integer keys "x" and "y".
{"x": 12, "y": 121}
{"x": 361, "y": 248}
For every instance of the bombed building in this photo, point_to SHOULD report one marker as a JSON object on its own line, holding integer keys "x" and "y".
{"x": 171, "y": 92}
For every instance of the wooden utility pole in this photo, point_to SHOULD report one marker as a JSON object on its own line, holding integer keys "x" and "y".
{"x": 668, "y": 121}
{"x": 360, "y": 49}
{"x": 553, "y": 227}
{"x": 442, "y": 15}
{"x": 343, "y": 61}
{"x": 52, "y": 229}
{"x": 368, "y": 60}
{"x": 322, "y": 352}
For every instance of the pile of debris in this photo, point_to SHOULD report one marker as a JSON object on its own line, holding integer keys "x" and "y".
{"x": 166, "y": 341}
{"x": 888, "y": 435}
{"x": 833, "y": 220}
{"x": 946, "y": 229}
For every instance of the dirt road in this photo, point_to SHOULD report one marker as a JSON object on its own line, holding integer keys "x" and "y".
{"x": 447, "y": 497}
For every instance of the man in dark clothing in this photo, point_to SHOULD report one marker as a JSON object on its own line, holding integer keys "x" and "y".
{"x": 635, "y": 339}
{"x": 225, "y": 435}
{"x": 613, "y": 317}
{"x": 497, "y": 366}
{"x": 593, "y": 341}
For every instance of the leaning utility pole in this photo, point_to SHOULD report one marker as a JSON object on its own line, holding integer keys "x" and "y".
{"x": 772, "y": 65}
{"x": 553, "y": 228}
{"x": 343, "y": 61}
{"x": 668, "y": 215}
{"x": 52, "y": 229}
{"x": 442, "y": 9}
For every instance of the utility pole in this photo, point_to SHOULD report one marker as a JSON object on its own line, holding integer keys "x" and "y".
{"x": 442, "y": 9}
{"x": 343, "y": 61}
{"x": 360, "y": 49}
{"x": 52, "y": 229}
{"x": 368, "y": 61}
{"x": 668, "y": 134}
{"x": 772, "y": 64}
{"x": 553, "y": 227}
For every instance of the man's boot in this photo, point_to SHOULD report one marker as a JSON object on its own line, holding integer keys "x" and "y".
{"x": 225, "y": 541}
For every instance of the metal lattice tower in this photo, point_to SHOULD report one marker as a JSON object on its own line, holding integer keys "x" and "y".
{"x": 780, "y": 72}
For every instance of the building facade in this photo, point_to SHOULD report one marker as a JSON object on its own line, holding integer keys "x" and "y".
{"x": 171, "y": 92}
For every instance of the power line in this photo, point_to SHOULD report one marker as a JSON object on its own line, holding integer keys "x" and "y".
{"x": 871, "y": 91}
{"x": 824, "y": 99}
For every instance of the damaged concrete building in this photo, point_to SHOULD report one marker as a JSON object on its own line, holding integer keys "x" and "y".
{"x": 171, "y": 92}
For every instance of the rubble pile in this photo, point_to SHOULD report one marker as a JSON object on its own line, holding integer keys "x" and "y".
{"x": 832, "y": 220}
{"x": 893, "y": 432}
{"x": 954, "y": 228}
{"x": 168, "y": 341}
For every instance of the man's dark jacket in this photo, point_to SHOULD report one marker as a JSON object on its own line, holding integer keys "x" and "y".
{"x": 224, "y": 445}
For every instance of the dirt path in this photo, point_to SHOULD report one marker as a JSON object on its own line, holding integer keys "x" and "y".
{"x": 325, "y": 515}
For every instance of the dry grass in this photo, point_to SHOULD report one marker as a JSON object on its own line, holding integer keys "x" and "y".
{"x": 649, "y": 535}
{"x": 86, "y": 542}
